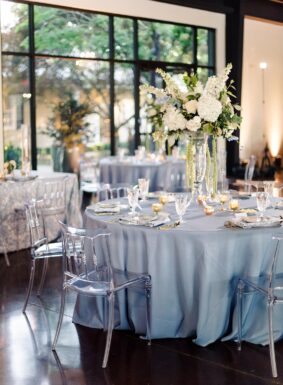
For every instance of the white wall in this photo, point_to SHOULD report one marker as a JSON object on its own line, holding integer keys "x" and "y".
{"x": 262, "y": 122}
{"x": 155, "y": 10}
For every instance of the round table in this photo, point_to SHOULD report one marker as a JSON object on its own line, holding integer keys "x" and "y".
{"x": 194, "y": 269}
{"x": 14, "y": 229}
{"x": 129, "y": 170}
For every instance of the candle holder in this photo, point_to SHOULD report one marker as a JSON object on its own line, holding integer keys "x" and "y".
{"x": 234, "y": 204}
{"x": 208, "y": 210}
{"x": 156, "y": 207}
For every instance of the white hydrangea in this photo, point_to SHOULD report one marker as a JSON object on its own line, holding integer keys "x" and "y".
{"x": 209, "y": 108}
{"x": 173, "y": 119}
{"x": 191, "y": 106}
{"x": 194, "y": 124}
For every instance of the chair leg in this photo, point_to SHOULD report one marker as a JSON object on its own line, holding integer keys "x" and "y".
{"x": 30, "y": 285}
{"x": 5, "y": 252}
{"x": 60, "y": 319}
{"x": 111, "y": 300}
{"x": 271, "y": 338}
{"x": 240, "y": 312}
{"x": 43, "y": 275}
{"x": 148, "y": 310}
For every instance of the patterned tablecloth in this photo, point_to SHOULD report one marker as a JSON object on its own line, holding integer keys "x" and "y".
{"x": 13, "y": 195}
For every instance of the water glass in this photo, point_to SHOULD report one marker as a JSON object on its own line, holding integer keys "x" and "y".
{"x": 133, "y": 198}
{"x": 182, "y": 202}
{"x": 262, "y": 201}
{"x": 143, "y": 187}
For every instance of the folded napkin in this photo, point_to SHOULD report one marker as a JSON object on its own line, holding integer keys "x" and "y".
{"x": 105, "y": 208}
{"x": 253, "y": 222}
{"x": 143, "y": 221}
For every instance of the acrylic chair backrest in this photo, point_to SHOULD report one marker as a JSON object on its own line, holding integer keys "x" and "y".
{"x": 108, "y": 191}
{"x": 82, "y": 251}
{"x": 51, "y": 196}
{"x": 277, "y": 251}
{"x": 250, "y": 168}
{"x": 88, "y": 171}
{"x": 34, "y": 223}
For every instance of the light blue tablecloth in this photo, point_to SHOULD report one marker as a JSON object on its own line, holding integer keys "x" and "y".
{"x": 113, "y": 171}
{"x": 194, "y": 269}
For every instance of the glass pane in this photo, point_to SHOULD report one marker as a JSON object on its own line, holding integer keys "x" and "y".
{"x": 203, "y": 74}
{"x": 165, "y": 42}
{"x": 123, "y": 36}
{"x": 16, "y": 105}
{"x": 60, "y": 82}
{"x": 71, "y": 33}
{"x": 14, "y": 26}
{"x": 205, "y": 46}
{"x": 124, "y": 108}
{"x": 147, "y": 102}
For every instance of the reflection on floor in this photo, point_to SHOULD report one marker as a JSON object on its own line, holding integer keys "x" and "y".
{"x": 26, "y": 357}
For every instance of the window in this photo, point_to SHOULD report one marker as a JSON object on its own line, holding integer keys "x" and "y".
{"x": 51, "y": 53}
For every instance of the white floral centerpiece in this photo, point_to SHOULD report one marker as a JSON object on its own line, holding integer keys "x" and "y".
{"x": 186, "y": 107}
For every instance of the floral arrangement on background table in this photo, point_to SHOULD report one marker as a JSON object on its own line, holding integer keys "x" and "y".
{"x": 186, "y": 109}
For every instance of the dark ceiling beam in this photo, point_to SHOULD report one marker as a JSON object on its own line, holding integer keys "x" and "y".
{"x": 207, "y": 5}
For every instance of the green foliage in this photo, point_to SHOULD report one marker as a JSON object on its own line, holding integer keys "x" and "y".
{"x": 12, "y": 153}
{"x": 68, "y": 122}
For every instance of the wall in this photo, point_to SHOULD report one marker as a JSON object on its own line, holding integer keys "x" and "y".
{"x": 155, "y": 10}
{"x": 262, "y": 122}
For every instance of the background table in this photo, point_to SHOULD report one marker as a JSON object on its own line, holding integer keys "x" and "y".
{"x": 194, "y": 270}
{"x": 14, "y": 227}
{"x": 113, "y": 171}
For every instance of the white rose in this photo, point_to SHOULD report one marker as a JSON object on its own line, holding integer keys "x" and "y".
{"x": 194, "y": 124}
{"x": 191, "y": 106}
{"x": 209, "y": 108}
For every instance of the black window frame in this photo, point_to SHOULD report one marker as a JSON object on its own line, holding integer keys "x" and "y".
{"x": 137, "y": 63}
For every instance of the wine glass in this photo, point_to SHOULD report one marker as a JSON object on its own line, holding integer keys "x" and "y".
{"x": 223, "y": 198}
{"x": 262, "y": 200}
{"x": 268, "y": 186}
{"x": 143, "y": 187}
{"x": 133, "y": 199}
{"x": 182, "y": 202}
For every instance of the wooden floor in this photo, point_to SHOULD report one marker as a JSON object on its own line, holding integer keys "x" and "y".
{"x": 26, "y": 357}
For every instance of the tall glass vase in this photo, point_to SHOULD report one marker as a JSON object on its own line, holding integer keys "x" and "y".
{"x": 196, "y": 161}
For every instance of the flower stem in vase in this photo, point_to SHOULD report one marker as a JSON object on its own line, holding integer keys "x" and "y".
{"x": 214, "y": 158}
{"x": 189, "y": 166}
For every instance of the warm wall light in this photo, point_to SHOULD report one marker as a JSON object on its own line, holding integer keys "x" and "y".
{"x": 263, "y": 65}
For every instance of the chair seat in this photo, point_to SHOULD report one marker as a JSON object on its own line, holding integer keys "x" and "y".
{"x": 97, "y": 283}
{"x": 261, "y": 285}
{"x": 50, "y": 250}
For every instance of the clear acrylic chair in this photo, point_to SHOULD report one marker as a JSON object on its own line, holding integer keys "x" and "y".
{"x": 40, "y": 247}
{"x": 249, "y": 173}
{"x": 86, "y": 273}
{"x": 113, "y": 191}
{"x": 51, "y": 204}
{"x": 269, "y": 285}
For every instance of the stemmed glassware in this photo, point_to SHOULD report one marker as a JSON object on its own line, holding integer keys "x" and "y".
{"x": 143, "y": 187}
{"x": 224, "y": 198}
{"x": 262, "y": 201}
{"x": 182, "y": 202}
{"x": 268, "y": 187}
{"x": 133, "y": 199}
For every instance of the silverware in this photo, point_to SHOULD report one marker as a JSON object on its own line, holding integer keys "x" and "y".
{"x": 169, "y": 226}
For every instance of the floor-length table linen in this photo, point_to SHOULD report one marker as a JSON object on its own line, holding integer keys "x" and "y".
{"x": 14, "y": 229}
{"x": 128, "y": 171}
{"x": 194, "y": 268}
